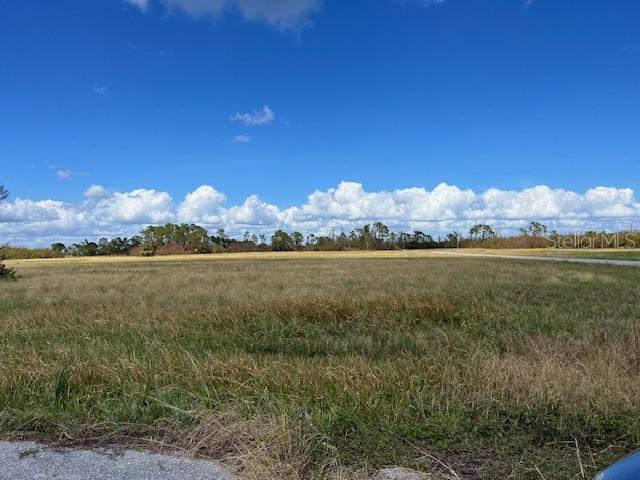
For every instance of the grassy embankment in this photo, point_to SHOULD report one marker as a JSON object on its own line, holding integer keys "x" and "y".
{"x": 295, "y": 369}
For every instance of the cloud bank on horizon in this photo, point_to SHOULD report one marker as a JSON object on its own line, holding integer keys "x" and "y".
{"x": 445, "y": 208}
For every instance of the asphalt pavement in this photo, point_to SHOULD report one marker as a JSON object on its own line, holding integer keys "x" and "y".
{"x": 34, "y": 461}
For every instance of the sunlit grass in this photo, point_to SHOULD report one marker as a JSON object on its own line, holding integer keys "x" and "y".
{"x": 298, "y": 367}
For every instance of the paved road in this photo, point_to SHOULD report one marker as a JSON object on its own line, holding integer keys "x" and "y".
{"x": 591, "y": 261}
{"x": 33, "y": 461}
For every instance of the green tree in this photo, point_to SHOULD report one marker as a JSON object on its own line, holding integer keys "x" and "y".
{"x": 404, "y": 239}
{"x": 482, "y": 231}
{"x": 298, "y": 240}
{"x": 365, "y": 237}
{"x": 281, "y": 241}
{"x": 537, "y": 229}
{"x": 103, "y": 247}
{"x": 221, "y": 238}
{"x": 197, "y": 239}
{"x": 380, "y": 233}
{"x": 453, "y": 239}
{"x": 151, "y": 239}
{"x": 58, "y": 247}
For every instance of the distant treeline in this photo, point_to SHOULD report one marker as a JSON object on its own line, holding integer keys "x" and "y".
{"x": 172, "y": 239}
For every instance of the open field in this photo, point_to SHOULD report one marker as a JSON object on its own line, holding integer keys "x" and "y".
{"x": 298, "y": 369}
{"x": 613, "y": 254}
{"x": 257, "y": 256}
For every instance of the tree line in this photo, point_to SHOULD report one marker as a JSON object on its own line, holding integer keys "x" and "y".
{"x": 194, "y": 239}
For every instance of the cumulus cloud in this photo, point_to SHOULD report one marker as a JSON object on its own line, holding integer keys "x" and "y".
{"x": 283, "y": 14}
{"x": 202, "y": 206}
{"x": 258, "y": 117}
{"x": 253, "y": 212}
{"x": 96, "y": 191}
{"x": 137, "y": 207}
{"x": 102, "y": 212}
{"x": 348, "y": 205}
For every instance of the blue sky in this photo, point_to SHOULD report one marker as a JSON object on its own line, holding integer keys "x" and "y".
{"x": 278, "y": 99}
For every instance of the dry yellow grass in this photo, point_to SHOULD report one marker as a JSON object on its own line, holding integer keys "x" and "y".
{"x": 359, "y": 254}
{"x": 347, "y": 255}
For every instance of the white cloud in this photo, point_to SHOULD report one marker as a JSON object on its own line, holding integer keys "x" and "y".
{"x": 253, "y": 212}
{"x": 348, "y": 205}
{"x": 198, "y": 7}
{"x": 96, "y": 191}
{"x": 101, "y": 90}
{"x": 258, "y": 117}
{"x": 283, "y": 14}
{"x": 102, "y": 212}
{"x": 241, "y": 139}
{"x": 67, "y": 174}
{"x": 202, "y": 206}
{"x": 137, "y": 207}
{"x": 141, "y": 4}
{"x": 424, "y": 3}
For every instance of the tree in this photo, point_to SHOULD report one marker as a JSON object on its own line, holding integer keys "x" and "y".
{"x": 537, "y": 229}
{"x": 151, "y": 240}
{"x": 453, "y": 239}
{"x": 221, "y": 238}
{"x": 281, "y": 241}
{"x": 6, "y": 273}
{"x": 103, "y": 246}
{"x": 420, "y": 240}
{"x": 58, "y": 247}
{"x": 404, "y": 239}
{"x": 380, "y": 233}
{"x": 482, "y": 231}
{"x": 196, "y": 239}
{"x": 298, "y": 240}
{"x": 364, "y": 236}
{"x": 311, "y": 240}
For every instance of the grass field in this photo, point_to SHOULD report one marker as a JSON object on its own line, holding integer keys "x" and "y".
{"x": 602, "y": 253}
{"x": 321, "y": 364}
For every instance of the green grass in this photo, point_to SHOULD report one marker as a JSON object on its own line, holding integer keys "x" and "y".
{"x": 607, "y": 254}
{"x": 499, "y": 369}
{"x": 619, "y": 254}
